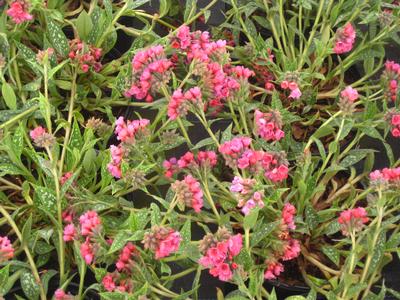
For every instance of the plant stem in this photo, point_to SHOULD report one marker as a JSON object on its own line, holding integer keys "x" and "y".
{"x": 28, "y": 254}
{"x": 82, "y": 279}
{"x": 170, "y": 209}
{"x": 69, "y": 123}
{"x": 178, "y": 275}
{"x": 201, "y": 12}
{"x": 184, "y": 132}
{"x": 210, "y": 200}
{"x": 352, "y": 258}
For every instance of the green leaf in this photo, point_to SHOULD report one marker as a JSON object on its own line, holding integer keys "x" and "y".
{"x": 29, "y": 286}
{"x": 260, "y": 233}
{"x": 45, "y": 199}
{"x": 26, "y": 231}
{"x": 119, "y": 241}
{"x": 296, "y": 298}
{"x": 312, "y": 218}
{"x": 332, "y": 253}
{"x": 9, "y": 95}
{"x": 84, "y": 25}
{"x": 18, "y": 140}
{"x": 4, "y": 274}
{"x": 354, "y": 157}
{"x": 323, "y": 131}
{"x": 57, "y": 37}
{"x": 190, "y": 9}
{"x": 186, "y": 233}
{"x": 155, "y": 214}
{"x": 165, "y": 5}
{"x": 113, "y": 296}
{"x": 9, "y": 169}
{"x": 251, "y": 219}
{"x": 46, "y": 278}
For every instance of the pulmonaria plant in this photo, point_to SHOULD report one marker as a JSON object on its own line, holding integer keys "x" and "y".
{"x": 345, "y": 38}
{"x": 219, "y": 252}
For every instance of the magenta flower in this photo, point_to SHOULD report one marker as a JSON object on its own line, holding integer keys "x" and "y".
{"x": 125, "y": 260}
{"x": 269, "y": 125}
{"x": 352, "y": 219}
{"x": 90, "y": 223}
{"x": 127, "y": 131}
{"x": 288, "y": 214}
{"x": 87, "y": 251}
{"x": 162, "y": 241}
{"x": 248, "y": 198}
{"x": 291, "y": 249}
{"x": 349, "y": 94}
{"x": 273, "y": 270}
{"x": 114, "y": 167}
{"x": 69, "y": 233}
{"x": 345, "y": 38}
{"x": 180, "y": 102}
{"x": 189, "y": 192}
{"x": 18, "y": 12}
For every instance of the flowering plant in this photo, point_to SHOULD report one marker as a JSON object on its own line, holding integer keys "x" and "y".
{"x": 236, "y": 156}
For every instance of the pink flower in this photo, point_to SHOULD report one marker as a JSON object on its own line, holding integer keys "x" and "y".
{"x": 207, "y": 158}
{"x": 345, "y": 38}
{"x": 277, "y": 174}
{"x": 18, "y": 12}
{"x": 396, "y": 119}
{"x": 288, "y": 213}
{"x": 108, "y": 283}
{"x": 90, "y": 223}
{"x": 150, "y": 70}
{"x": 291, "y": 250}
{"x": 222, "y": 271}
{"x": 162, "y": 240}
{"x": 125, "y": 261}
{"x": 189, "y": 192}
{"x": 69, "y": 233}
{"x": 6, "y": 249}
{"x": 87, "y": 251}
{"x": 114, "y": 167}
{"x": 168, "y": 245}
{"x": 171, "y": 167}
{"x": 273, "y": 270}
{"x": 180, "y": 102}
{"x": 243, "y": 188}
{"x": 86, "y": 56}
{"x": 269, "y": 125}
{"x": 233, "y": 150}
{"x": 295, "y": 94}
{"x": 352, "y": 219}
{"x": 37, "y": 133}
{"x": 235, "y": 244}
{"x": 67, "y": 216}
{"x": 126, "y": 131}
{"x": 349, "y": 94}
{"x": 65, "y": 177}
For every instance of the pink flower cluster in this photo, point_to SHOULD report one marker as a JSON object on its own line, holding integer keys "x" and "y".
{"x": 289, "y": 247}
{"x": 163, "y": 241}
{"x": 65, "y": 177}
{"x": 114, "y": 167}
{"x": 237, "y": 153}
{"x": 395, "y": 123}
{"x": 87, "y": 251}
{"x": 37, "y": 133}
{"x": 352, "y": 219}
{"x": 149, "y": 71}
{"x": 180, "y": 102}
{"x": 288, "y": 213}
{"x": 269, "y": 125}
{"x": 347, "y": 98}
{"x": 247, "y": 197}
{"x": 114, "y": 282}
{"x": 125, "y": 260}
{"x": 233, "y": 150}
{"x": 188, "y": 192}
{"x": 6, "y": 249}
{"x": 198, "y": 44}
{"x": 294, "y": 88}
{"x": 218, "y": 85}
{"x": 90, "y": 223}
{"x": 349, "y": 94}
{"x": 386, "y": 176}
{"x": 86, "y": 56}
{"x": 345, "y": 38}
{"x": 69, "y": 233}
{"x": 391, "y": 78}
{"x": 219, "y": 257}
{"x": 59, "y": 294}
{"x": 18, "y": 11}
{"x": 126, "y": 131}
{"x": 204, "y": 159}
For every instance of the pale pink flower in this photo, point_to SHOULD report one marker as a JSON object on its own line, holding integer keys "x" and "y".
{"x": 295, "y": 94}
{"x": 349, "y": 94}
{"x": 6, "y": 249}
{"x": 345, "y": 38}
{"x": 37, "y": 133}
